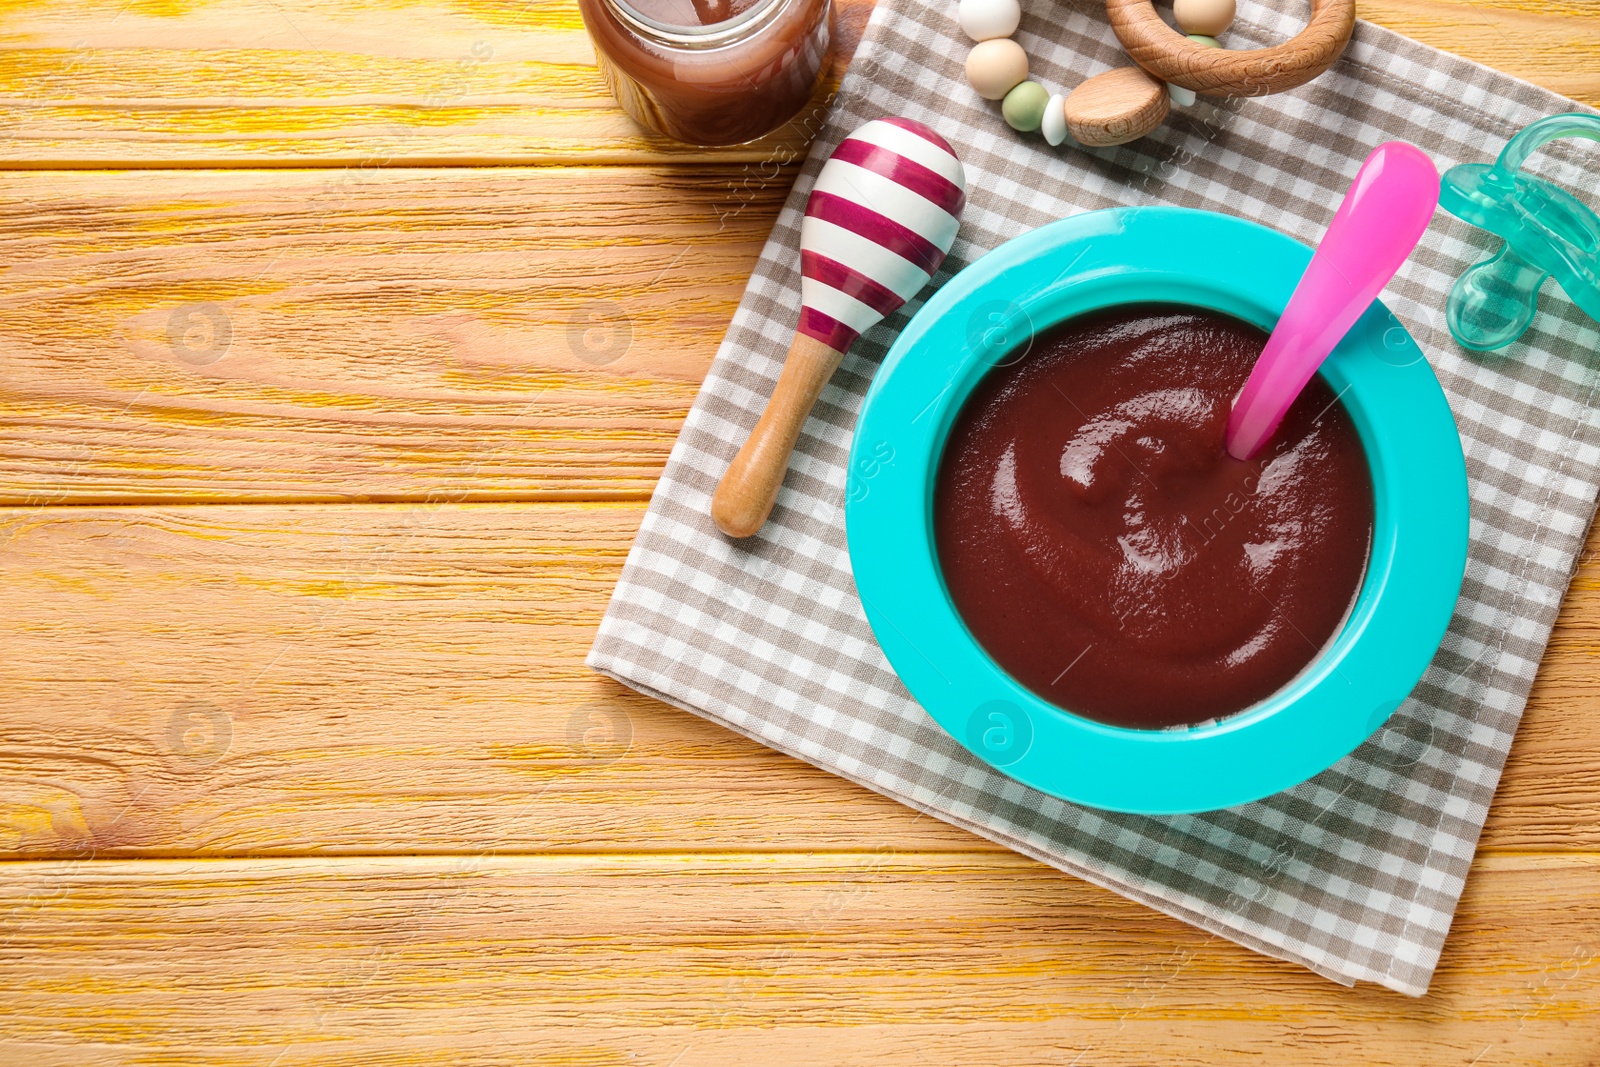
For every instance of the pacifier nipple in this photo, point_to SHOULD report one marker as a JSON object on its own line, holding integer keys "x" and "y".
{"x": 1494, "y": 302}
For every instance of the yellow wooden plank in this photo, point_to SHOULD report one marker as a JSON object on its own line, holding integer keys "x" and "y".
{"x": 96, "y": 83}
{"x": 1553, "y": 43}
{"x": 379, "y": 679}
{"x": 246, "y": 83}
{"x": 419, "y": 334}
{"x": 363, "y": 679}
{"x": 861, "y": 958}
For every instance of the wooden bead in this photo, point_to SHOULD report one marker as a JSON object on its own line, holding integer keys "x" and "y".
{"x": 1116, "y": 107}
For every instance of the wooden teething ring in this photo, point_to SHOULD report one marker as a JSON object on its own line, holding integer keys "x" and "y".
{"x": 1172, "y": 57}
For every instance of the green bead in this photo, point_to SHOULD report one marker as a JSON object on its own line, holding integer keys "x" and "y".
{"x": 1209, "y": 42}
{"x": 1023, "y": 106}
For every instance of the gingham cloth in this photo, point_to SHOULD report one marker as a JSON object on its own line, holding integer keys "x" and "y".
{"x": 1354, "y": 874}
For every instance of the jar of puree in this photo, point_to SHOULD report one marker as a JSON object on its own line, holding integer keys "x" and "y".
{"x": 711, "y": 72}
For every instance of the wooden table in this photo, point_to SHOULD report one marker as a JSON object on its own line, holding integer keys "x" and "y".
{"x": 341, "y": 346}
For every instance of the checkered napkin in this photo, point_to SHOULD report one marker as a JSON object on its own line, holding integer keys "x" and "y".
{"x": 1354, "y": 874}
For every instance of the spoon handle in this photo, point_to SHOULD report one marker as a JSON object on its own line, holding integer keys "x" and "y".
{"x": 745, "y": 496}
{"x": 1383, "y": 216}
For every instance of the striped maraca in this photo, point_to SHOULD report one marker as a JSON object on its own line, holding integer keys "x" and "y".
{"x": 880, "y": 219}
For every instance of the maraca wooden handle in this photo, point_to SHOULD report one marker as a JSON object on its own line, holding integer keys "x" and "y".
{"x": 881, "y": 216}
{"x": 745, "y": 496}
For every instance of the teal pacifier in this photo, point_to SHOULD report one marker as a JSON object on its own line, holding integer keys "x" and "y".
{"x": 1547, "y": 232}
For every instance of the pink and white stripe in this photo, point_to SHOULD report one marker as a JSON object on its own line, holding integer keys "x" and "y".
{"x": 880, "y": 219}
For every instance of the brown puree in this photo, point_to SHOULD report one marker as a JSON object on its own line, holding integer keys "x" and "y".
{"x": 710, "y": 72}
{"x": 1107, "y": 552}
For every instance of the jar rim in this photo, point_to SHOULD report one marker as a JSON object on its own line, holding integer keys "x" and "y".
{"x": 718, "y": 33}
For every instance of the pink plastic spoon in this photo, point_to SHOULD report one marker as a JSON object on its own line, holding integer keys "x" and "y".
{"x": 1381, "y": 220}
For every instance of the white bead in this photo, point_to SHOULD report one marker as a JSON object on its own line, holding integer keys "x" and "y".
{"x": 1054, "y": 126}
{"x": 1181, "y": 97}
{"x": 1205, "y": 17}
{"x": 984, "y": 20}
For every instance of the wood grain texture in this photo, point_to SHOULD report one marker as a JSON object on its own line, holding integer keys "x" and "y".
{"x": 213, "y": 683}
{"x": 749, "y": 487}
{"x": 681, "y": 961}
{"x": 379, "y": 335}
{"x": 1116, "y": 106}
{"x": 1168, "y": 55}
{"x": 1553, "y": 43}
{"x": 116, "y": 83}
{"x": 98, "y": 83}
{"x": 373, "y": 679}
{"x": 363, "y": 679}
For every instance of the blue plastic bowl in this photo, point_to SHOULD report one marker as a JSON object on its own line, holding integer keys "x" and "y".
{"x": 1153, "y": 255}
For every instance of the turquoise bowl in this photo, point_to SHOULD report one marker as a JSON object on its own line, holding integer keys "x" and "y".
{"x": 1173, "y": 256}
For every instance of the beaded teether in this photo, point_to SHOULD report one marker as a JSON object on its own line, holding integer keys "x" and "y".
{"x": 1118, "y": 106}
{"x": 1547, "y": 232}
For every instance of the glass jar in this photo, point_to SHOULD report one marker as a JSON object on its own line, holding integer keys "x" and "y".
{"x": 711, "y": 72}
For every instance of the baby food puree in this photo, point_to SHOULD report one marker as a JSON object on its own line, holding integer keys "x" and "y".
{"x": 1105, "y": 550}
